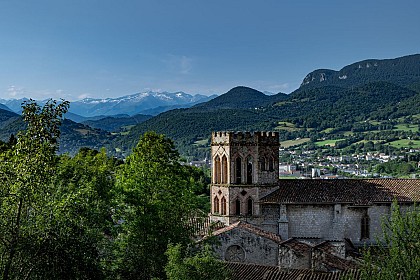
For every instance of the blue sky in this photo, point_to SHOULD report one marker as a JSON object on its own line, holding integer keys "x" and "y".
{"x": 81, "y": 48}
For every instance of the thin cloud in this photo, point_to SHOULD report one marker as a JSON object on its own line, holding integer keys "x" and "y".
{"x": 83, "y": 96}
{"x": 15, "y": 91}
{"x": 180, "y": 64}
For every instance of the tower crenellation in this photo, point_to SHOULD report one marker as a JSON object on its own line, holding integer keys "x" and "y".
{"x": 245, "y": 138}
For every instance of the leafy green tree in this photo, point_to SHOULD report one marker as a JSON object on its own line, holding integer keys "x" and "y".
{"x": 78, "y": 238}
{"x": 201, "y": 263}
{"x": 156, "y": 198}
{"x": 25, "y": 176}
{"x": 399, "y": 256}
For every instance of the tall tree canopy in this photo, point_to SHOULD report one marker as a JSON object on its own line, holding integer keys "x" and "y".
{"x": 399, "y": 256}
{"x": 157, "y": 196}
{"x": 25, "y": 176}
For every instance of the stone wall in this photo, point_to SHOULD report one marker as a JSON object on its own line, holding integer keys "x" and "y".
{"x": 239, "y": 245}
{"x": 324, "y": 222}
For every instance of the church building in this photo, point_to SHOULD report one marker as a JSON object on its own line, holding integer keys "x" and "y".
{"x": 293, "y": 223}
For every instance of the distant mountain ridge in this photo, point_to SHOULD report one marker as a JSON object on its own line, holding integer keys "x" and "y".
{"x": 133, "y": 104}
{"x": 327, "y": 99}
{"x": 357, "y": 95}
{"x": 4, "y": 107}
{"x": 129, "y": 104}
{"x": 241, "y": 97}
{"x": 402, "y": 71}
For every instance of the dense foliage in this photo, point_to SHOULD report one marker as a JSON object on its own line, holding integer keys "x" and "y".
{"x": 399, "y": 256}
{"x": 91, "y": 216}
{"x": 117, "y": 123}
{"x": 184, "y": 264}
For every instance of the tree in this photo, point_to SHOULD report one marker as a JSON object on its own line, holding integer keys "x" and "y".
{"x": 398, "y": 257}
{"x": 79, "y": 233}
{"x": 156, "y": 198}
{"x": 196, "y": 263}
{"x": 25, "y": 171}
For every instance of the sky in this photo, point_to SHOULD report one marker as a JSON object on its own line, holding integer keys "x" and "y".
{"x": 108, "y": 48}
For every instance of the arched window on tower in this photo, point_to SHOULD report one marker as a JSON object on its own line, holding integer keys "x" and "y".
{"x": 224, "y": 170}
{"x": 237, "y": 207}
{"x": 238, "y": 170}
{"x": 250, "y": 204}
{"x": 249, "y": 171}
{"x": 217, "y": 171}
{"x": 216, "y": 205}
{"x": 271, "y": 164}
{"x": 223, "y": 206}
{"x": 262, "y": 163}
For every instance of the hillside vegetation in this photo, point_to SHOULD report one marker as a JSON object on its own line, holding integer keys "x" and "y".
{"x": 367, "y": 100}
{"x": 386, "y": 92}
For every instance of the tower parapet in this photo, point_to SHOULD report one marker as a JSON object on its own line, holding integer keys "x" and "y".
{"x": 264, "y": 138}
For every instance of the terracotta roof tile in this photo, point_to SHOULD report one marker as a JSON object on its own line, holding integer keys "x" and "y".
{"x": 261, "y": 272}
{"x": 334, "y": 262}
{"x": 296, "y": 245}
{"x": 250, "y": 228}
{"x": 355, "y": 191}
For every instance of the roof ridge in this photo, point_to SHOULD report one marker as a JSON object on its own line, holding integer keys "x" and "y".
{"x": 250, "y": 228}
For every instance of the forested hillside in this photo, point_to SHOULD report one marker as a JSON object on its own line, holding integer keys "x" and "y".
{"x": 363, "y": 95}
{"x": 73, "y": 135}
{"x": 372, "y": 90}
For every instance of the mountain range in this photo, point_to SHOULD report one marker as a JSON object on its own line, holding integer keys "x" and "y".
{"x": 128, "y": 105}
{"x": 327, "y": 101}
{"x": 385, "y": 90}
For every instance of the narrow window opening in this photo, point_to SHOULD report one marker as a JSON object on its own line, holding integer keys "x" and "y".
{"x": 365, "y": 227}
{"x": 223, "y": 202}
{"x": 250, "y": 207}
{"x": 262, "y": 164}
{"x": 238, "y": 170}
{"x": 271, "y": 164}
{"x": 216, "y": 205}
{"x": 217, "y": 171}
{"x": 238, "y": 207}
{"x": 249, "y": 171}
{"x": 225, "y": 170}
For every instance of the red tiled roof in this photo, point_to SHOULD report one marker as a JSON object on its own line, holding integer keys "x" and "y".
{"x": 296, "y": 245}
{"x": 245, "y": 271}
{"x": 261, "y": 272}
{"x": 250, "y": 228}
{"x": 334, "y": 262}
{"x": 355, "y": 191}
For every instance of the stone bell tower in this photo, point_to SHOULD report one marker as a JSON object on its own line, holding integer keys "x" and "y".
{"x": 245, "y": 167}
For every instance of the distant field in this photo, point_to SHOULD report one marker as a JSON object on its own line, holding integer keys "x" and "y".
{"x": 287, "y": 126}
{"x": 327, "y": 130}
{"x": 290, "y": 143}
{"x": 405, "y": 143}
{"x": 203, "y": 142}
{"x": 373, "y": 141}
{"x": 405, "y": 127}
{"x": 128, "y": 127}
{"x": 327, "y": 142}
{"x": 83, "y": 131}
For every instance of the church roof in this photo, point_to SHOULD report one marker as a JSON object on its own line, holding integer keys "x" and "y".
{"x": 250, "y": 228}
{"x": 296, "y": 245}
{"x": 261, "y": 272}
{"x": 355, "y": 191}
